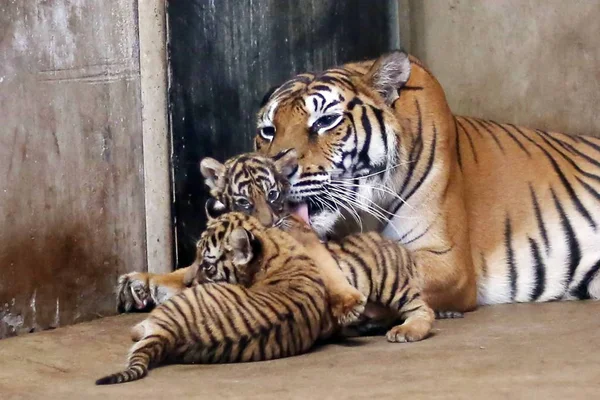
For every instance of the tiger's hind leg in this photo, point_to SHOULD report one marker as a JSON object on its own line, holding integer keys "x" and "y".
{"x": 417, "y": 325}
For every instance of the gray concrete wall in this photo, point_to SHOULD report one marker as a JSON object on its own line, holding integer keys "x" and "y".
{"x": 71, "y": 166}
{"x": 535, "y": 63}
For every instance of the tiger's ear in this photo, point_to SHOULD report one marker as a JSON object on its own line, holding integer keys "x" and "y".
{"x": 214, "y": 208}
{"x": 241, "y": 245}
{"x": 286, "y": 162}
{"x": 388, "y": 74}
{"x": 211, "y": 170}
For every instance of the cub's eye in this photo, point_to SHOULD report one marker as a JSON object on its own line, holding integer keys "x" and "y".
{"x": 326, "y": 122}
{"x": 267, "y": 132}
{"x": 243, "y": 203}
{"x": 273, "y": 195}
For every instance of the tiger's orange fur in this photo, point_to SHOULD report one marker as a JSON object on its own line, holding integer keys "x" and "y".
{"x": 490, "y": 212}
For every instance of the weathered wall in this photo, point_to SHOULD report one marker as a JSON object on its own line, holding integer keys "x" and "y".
{"x": 535, "y": 62}
{"x": 226, "y": 54}
{"x": 71, "y": 176}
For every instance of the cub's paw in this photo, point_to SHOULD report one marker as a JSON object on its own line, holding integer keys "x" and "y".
{"x": 133, "y": 293}
{"x": 410, "y": 331}
{"x": 448, "y": 314}
{"x": 347, "y": 306}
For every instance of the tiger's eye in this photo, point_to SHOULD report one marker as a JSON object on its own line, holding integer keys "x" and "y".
{"x": 243, "y": 203}
{"x": 273, "y": 195}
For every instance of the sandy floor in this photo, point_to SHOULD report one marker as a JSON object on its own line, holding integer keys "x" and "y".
{"x": 515, "y": 351}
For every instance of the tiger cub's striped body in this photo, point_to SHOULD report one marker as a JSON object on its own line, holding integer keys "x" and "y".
{"x": 259, "y": 296}
{"x": 275, "y": 308}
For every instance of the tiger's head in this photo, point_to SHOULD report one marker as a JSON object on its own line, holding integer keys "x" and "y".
{"x": 250, "y": 183}
{"x": 341, "y": 123}
{"x": 227, "y": 251}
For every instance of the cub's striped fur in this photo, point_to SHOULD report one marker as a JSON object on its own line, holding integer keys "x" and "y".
{"x": 257, "y": 295}
{"x": 275, "y": 309}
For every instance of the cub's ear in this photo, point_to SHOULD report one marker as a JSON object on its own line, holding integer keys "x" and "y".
{"x": 286, "y": 162}
{"x": 241, "y": 245}
{"x": 214, "y": 208}
{"x": 211, "y": 170}
{"x": 388, "y": 74}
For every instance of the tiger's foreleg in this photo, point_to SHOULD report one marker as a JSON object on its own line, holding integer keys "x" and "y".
{"x": 449, "y": 283}
{"x": 418, "y": 318}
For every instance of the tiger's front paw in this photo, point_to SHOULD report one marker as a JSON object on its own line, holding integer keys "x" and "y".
{"x": 347, "y": 306}
{"x": 409, "y": 331}
{"x": 133, "y": 293}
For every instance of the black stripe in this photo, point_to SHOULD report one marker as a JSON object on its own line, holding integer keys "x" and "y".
{"x": 589, "y": 189}
{"x": 470, "y": 142}
{"x": 510, "y": 258}
{"x": 512, "y": 136}
{"x": 587, "y": 142}
{"x": 468, "y": 120}
{"x": 569, "y": 160}
{"x": 539, "y": 270}
{"x": 582, "y": 290}
{"x": 492, "y": 134}
{"x": 540, "y": 219}
{"x": 322, "y": 88}
{"x": 333, "y": 103}
{"x": 574, "y": 198}
{"x": 419, "y": 236}
{"x": 426, "y": 173}
{"x": 379, "y": 116}
{"x": 458, "y": 156}
{"x": 574, "y": 250}
{"x": 363, "y": 155}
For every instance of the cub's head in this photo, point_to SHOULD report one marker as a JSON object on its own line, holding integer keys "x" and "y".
{"x": 227, "y": 251}
{"x": 250, "y": 183}
{"x": 343, "y": 127}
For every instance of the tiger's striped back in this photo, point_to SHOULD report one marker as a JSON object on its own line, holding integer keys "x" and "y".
{"x": 279, "y": 314}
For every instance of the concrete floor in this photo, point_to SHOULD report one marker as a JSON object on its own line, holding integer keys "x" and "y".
{"x": 517, "y": 351}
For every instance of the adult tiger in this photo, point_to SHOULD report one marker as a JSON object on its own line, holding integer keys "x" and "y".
{"x": 492, "y": 213}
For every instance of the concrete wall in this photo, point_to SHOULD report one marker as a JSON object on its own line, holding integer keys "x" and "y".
{"x": 71, "y": 166}
{"x": 535, "y": 62}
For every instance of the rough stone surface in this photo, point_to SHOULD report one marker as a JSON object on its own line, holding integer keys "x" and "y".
{"x": 71, "y": 170}
{"x": 534, "y": 63}
{"x": 545, "y": 351}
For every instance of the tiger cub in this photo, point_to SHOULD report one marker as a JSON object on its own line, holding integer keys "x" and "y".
{"x": 258, "y": 186}
{"x": 378, "y": 267}
{"x": 265, "y": 300}
{"x": 381, "y": 269}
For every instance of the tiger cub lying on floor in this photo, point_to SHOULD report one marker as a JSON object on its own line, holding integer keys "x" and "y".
{"x": 275, "y": 305}
{"x": 257, "y": 295}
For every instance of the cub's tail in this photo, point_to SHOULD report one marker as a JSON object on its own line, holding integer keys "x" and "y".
{"x": 146, "y": 352}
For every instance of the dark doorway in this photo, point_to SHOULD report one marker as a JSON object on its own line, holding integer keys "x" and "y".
{"x": 225, "y": 54}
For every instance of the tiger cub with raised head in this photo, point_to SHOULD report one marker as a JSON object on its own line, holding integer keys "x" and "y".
{"x": 258, "y": 186}
{"x": 264, "y": 300}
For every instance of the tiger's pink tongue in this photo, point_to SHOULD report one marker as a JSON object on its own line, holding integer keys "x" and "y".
{"x": 302, "y": 211}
